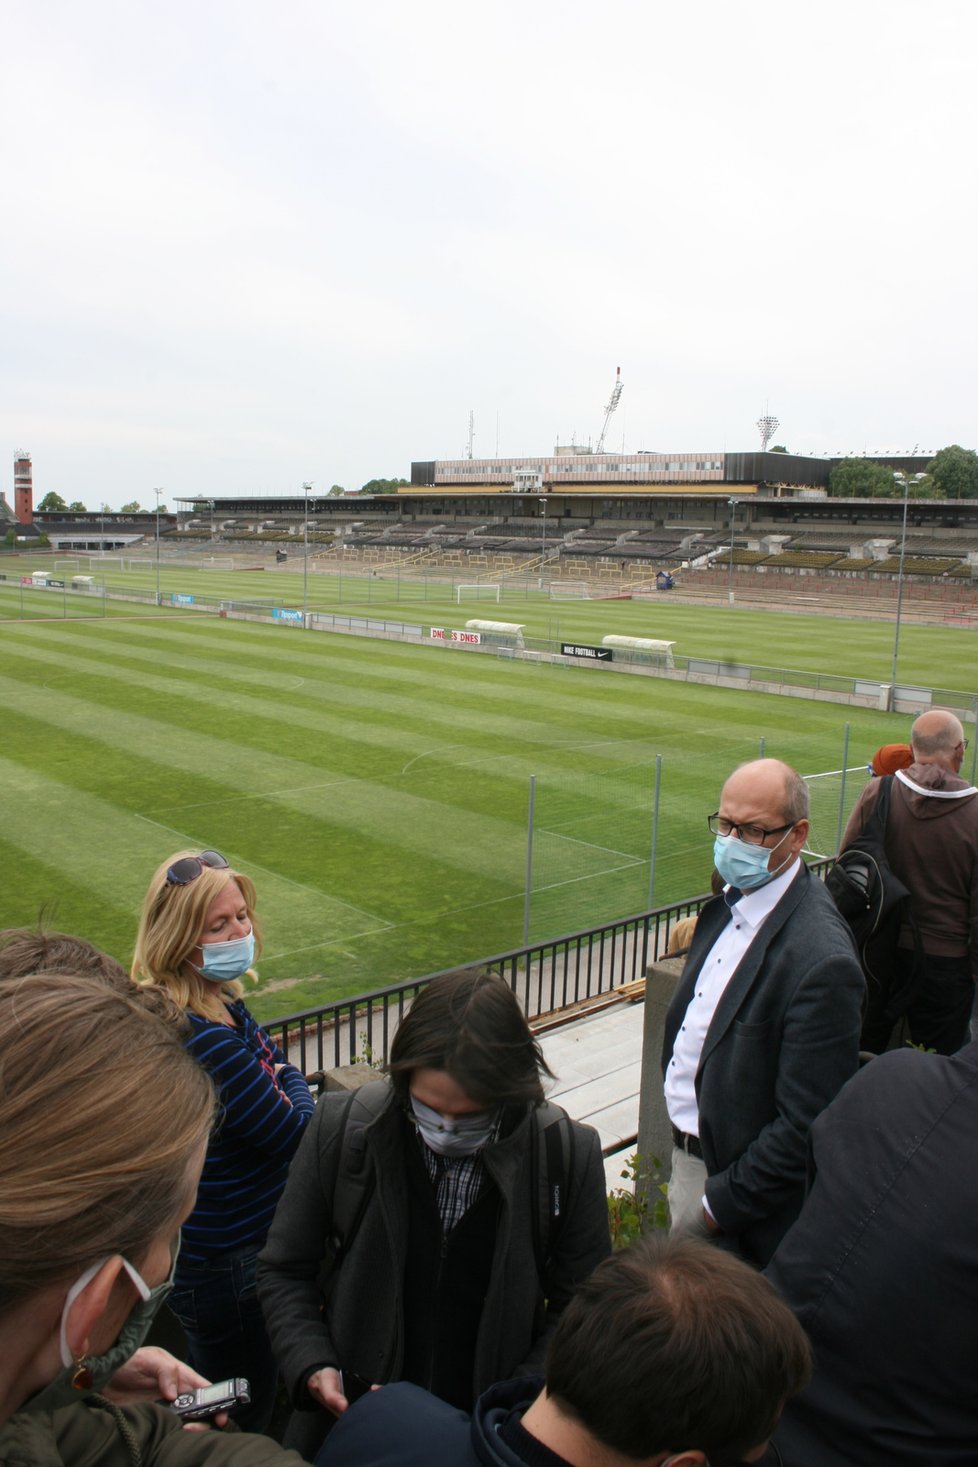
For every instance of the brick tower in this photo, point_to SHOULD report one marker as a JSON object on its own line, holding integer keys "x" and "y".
{"x": 23, "y": 490}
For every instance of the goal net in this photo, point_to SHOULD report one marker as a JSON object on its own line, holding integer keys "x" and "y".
{"x": 570, "y": 591}
{"x": 832, "y": 796}
{"x": 476, "y": 593}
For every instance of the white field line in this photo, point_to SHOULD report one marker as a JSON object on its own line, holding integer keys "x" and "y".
{"x": 609, "y": 850}
{"x": 277, "y": 876}
{"x": 290, "y": 789}
{"x": 455, "y": 911}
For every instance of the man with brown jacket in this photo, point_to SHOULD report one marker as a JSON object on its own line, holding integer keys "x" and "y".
{"x": 932, "y": 846}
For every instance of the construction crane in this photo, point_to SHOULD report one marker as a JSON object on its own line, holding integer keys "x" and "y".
{"x": 613, "y": 401}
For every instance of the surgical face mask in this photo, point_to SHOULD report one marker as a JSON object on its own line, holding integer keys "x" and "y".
{"x": 746, "y": 866}
{"x": 137, "y": 1325}
{"x": 461, "y": 1137}
{"x": 224, "y": 961}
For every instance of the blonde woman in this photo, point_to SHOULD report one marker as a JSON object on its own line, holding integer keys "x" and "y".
{"x": 198, "y": 937}
{"x": 95, "y": 1178}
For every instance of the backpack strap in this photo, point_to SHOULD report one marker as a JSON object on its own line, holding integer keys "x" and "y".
{"x": 353, "y": 1177}
{"x": 552, "y": 1166}
{"x": 882, "y": 811}
{"x": 898, "y": 1000}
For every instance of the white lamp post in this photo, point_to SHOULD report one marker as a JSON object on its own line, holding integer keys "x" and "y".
{"x": 733, "y": 515}
{"x": 906, "y": 480}
{"x": 305, "y": 552}
{"x": 157, "y": 492}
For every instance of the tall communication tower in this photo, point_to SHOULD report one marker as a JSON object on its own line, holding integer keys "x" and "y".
{"x": 609, "y": 409}
{"x": 767, "y": 426}
{"x": 471, "y": 432}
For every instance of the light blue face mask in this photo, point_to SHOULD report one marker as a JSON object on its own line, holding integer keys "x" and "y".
{"x": 746, "y": 866}
{"x": 461, "y": 1137}
{"x": 225, "y": 961}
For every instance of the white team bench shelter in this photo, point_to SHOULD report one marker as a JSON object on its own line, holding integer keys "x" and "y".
{"x": 642, "y": 649}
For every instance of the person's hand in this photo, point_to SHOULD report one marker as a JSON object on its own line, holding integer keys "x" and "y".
{"x": 152, "y": 1374}
{"x": 325, "y": 1388}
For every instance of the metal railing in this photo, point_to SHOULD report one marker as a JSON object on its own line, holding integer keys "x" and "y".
{"x": 545, "y": 976}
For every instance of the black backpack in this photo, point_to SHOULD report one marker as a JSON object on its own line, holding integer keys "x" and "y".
{"x": 353, "y": 1181}
{"x": 877, "y": 906}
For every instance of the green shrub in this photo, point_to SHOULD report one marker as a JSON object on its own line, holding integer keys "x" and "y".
{"x": 630, "y": 1213}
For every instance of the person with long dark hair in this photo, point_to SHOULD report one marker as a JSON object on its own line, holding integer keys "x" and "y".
{"x": 453, "y": 1269}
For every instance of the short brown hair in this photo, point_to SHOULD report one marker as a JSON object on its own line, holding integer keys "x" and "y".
{"x": 674, "y": 1345}
{"x": 103, "y": 1111}
{"x": 26, "y": 950}
{"x": 469, "y": 1023}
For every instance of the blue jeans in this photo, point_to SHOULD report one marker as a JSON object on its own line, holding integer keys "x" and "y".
{"x": 217, "y": 1304}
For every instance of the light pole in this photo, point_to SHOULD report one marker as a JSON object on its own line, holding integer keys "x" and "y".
{"x": 305, "y": 552}
{"x": 906, "y": 480}
{"x": 157, "y": 492}
{"x": 543, "y": 543}
{"x": 733, "y": 515}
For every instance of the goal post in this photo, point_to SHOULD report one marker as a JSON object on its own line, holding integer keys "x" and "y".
{"x": 832, "y": 795}
{"x": 570, "y": 591}
{"x": 477, "y": 593}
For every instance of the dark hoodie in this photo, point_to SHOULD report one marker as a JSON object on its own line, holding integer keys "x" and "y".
{"x": 932, "y": 845}
{"x": 403, "y": 1426}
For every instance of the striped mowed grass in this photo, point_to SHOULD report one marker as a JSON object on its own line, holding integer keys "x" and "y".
{"x": 378, "y": 792}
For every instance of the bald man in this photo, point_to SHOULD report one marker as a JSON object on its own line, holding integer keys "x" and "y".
{"x": 932, "y": 846}
{"x": 763, "y": 1030}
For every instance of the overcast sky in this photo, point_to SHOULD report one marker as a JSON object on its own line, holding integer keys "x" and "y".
{"x": 249, "y": 244}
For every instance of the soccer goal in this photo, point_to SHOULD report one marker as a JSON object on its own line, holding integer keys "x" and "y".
{"x": 477, "y": 593}
{"x": 72, "y": 564}
{"x": 570, "y": 591}
{"x": 832, "y": 794}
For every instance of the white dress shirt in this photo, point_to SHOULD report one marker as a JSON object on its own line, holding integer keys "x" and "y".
{"x": 720, "y": 964}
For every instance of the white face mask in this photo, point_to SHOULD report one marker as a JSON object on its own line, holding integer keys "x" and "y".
{"x": 461, "y": 1137}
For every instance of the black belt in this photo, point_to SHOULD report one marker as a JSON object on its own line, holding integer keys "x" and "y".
{"x": 689, "y": 1144}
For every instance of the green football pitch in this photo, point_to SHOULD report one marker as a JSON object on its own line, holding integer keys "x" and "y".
{"x": 378, "y": 792}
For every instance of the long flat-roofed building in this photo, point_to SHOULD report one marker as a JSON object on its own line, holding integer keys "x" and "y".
{"x": 573, "y": 470}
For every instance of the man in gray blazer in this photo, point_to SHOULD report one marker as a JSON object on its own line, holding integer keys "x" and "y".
{"x": 763, "y": 1030}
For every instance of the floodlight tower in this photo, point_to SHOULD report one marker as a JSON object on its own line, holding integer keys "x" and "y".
{"x": 767, "y": 426}
{"x": 610, "y": 407}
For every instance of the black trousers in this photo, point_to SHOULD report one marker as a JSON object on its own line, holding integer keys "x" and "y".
{"x": 939, "y": 1017}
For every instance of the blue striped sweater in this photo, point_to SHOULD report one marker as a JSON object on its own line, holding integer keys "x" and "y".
{"x": 261, "y": 1118}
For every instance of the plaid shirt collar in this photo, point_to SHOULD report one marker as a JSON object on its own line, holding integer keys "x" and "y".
{"x": 458, "y": 1180}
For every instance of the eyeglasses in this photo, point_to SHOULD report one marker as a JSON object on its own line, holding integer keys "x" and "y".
{"x": 751, "y": 835}
{"x": 188, "y": 868}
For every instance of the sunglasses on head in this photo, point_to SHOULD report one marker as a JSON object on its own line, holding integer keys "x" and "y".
{"x": 188, "y": 868}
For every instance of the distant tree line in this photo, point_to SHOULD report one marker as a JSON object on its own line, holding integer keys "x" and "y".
{"x": 54, "y": 502}
{"x": 951, "y": 474}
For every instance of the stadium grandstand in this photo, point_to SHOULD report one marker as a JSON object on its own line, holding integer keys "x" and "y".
{"x": 580, "y": 516}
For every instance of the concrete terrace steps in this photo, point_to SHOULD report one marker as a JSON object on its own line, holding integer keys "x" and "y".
{"x": 747, "y": 594}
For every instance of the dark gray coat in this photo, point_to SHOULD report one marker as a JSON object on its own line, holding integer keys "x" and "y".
{"x": 882, "y": 1270}
{"x": 361, "y": 1327}
{"x": 783, "y": 1042}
